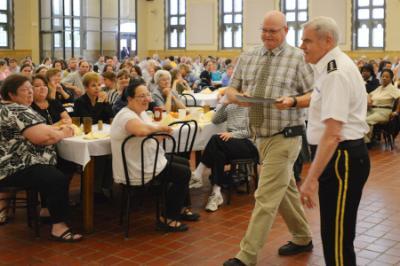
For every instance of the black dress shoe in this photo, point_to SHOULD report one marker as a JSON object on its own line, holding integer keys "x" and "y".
{"x": 291, "y": 249}
{"x": 234, "y": 262}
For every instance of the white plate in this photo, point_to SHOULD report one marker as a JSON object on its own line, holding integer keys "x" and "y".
{"x": 249, "y": 99}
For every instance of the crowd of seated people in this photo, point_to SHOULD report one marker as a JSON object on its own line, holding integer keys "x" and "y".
{"x": 125, "y": 90}
{"x": 52, "y": 92}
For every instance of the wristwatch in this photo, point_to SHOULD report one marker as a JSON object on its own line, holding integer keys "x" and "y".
{"x": 294, "y": 101}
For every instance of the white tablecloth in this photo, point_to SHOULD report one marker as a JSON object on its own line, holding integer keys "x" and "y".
{"x": 204, "y": 99}
{"x": 79, "y": 150}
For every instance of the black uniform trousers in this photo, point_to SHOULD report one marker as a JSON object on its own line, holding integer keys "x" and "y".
{"x": 340, "y": 190}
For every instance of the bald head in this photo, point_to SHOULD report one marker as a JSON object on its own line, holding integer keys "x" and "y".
{"x": 276, "y": 18}
{"x": 274, "y": 29}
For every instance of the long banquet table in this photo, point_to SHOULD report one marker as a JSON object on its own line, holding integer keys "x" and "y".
{"x": 82, "y": 152}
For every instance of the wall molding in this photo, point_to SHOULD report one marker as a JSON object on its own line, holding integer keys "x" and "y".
{"x": 17, "y": 54}
{"x": 370, "y": 54}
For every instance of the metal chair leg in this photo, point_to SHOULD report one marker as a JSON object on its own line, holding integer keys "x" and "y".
{"x": 123, "y": 201}
{"x": 128, "y": 203}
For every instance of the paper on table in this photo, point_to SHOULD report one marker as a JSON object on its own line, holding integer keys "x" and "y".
{"x": 95, "y": 135}
{"x": 250, "y": 99}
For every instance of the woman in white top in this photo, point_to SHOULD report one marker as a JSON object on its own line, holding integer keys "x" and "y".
{"x": 380, "y": 102}
{"x": 133, "y": 120}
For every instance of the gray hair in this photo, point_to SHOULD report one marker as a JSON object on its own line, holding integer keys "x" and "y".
{"x": 324, "y": 26}
{"x": 161, "y": 73}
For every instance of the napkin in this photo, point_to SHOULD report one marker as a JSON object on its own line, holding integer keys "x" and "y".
{"x": 95, "y": 135}
{"x": 207, "y": 117}
{"x": 206, "y": 91}
{"x": 77, "y": 130}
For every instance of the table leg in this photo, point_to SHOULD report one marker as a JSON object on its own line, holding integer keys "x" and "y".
{"x": 87, "y": 196}
{"x": 198, "y": 157}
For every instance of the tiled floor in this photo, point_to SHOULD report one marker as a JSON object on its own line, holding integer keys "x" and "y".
{"x": 216, "y": 237}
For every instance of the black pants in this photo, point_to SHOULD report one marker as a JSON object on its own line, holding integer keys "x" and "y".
{"x": 218, "y": 153}
{"x": 176, "y": 176}
{"x": 103, "y": 178}
{"x": 340, "y": 190}
{"x": 50, "y": 182}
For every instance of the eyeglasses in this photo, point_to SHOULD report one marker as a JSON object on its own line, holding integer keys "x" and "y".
{"x": 143, "y": 96}
{"x": 271, "y": 31}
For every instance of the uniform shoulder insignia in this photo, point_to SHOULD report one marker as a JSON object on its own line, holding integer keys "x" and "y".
{"x": 331, "y": 66}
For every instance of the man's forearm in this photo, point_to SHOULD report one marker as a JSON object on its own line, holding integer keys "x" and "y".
{"x": 303, "y": 101}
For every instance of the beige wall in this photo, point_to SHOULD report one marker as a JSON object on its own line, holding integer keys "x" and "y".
{"x": 26, "y": 30}
{"x": 151, "y": 18}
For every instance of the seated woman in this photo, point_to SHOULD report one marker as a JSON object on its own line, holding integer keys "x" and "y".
{"x": 57, "y": 90}
{"x": 223, "y": 147}
{"x": 164, "y": 96}
{"x": 381, "y": 100}
{"x": 179, "y": 84}
{"x": 368, "y": 74}
{"x": 133, "y": 120}
{"x": 26, "y": 70}
{"x": 32, "y": 165}
{"x": 49, "y": 109}
{"x": 94, "y": 104}
{"x": 110, "y": 86}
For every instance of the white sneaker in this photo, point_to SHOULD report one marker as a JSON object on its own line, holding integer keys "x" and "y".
{"x": 213, "y": 202}
{"x": 195, "y": 182}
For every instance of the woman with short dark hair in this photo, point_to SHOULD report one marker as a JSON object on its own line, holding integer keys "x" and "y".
{"x": 133, "y": 120}
{"x": 28, "y": 156}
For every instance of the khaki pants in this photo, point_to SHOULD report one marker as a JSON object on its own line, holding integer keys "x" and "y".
{"x": 276, "y": 191}
{"x": 376, "y": 116}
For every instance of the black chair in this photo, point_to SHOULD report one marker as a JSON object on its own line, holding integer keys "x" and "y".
{"x": 128, "y": 190}
{"x": 30, "y": 202}
{"x": 185, "y": 142}
{"x": 388, "y": 130}
{"x": 186, "y": 97}
{"x": 240, "y": 170}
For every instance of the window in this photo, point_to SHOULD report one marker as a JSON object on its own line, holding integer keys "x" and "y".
{"x": 368, "y": 24}
{"x": 231, "y": 24}
{"x": 87, "y": 28}
{"x": 296, "y": 12}
{"x": 176, "y": 24}
{"x": 5, "y": 24}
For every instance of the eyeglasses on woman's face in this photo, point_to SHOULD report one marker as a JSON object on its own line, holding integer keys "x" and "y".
{"x": 143, "y": 96}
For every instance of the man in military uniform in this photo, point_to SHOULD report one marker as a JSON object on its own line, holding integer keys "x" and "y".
{"x": 336, "y": 127}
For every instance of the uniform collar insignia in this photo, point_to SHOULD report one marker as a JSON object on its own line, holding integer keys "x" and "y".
{"x": 331, "y": 66}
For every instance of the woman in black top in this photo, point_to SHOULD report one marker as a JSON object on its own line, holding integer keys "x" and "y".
{"x": 49, "y": 109}
{"x": 368, "y": 74}
{"x": 94, "y": 102}
{"x": 56, "y": 89}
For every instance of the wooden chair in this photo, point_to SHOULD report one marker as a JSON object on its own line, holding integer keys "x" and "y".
{"x": 30, "y": 202}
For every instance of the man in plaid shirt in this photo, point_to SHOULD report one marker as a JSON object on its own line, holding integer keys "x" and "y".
{"x": 275, "y": 70}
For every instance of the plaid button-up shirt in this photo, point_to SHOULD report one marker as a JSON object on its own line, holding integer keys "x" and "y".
{"x": 289, "y": 75}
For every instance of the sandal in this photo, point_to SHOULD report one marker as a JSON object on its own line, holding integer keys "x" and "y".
{"x": 66, "y": 237}
{"x": 4, "y": 216}
{"x": 167, "y": 227}
{"x": 188, "y": 215}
